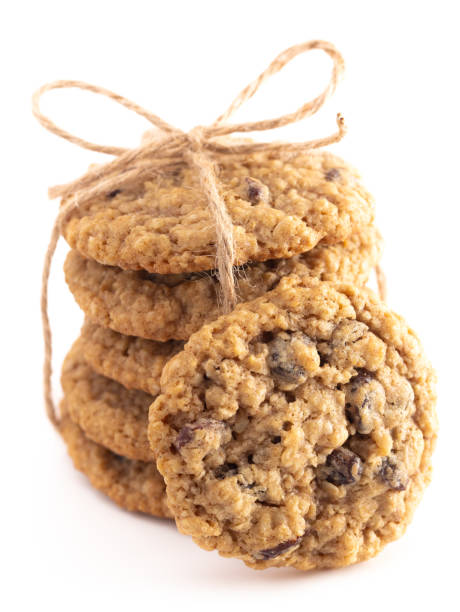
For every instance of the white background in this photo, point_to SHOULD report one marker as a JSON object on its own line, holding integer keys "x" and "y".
{"x": 64, "y": 545}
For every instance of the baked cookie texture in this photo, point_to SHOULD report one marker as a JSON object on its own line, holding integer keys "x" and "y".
{"x": 107, "y": 412}
{"x": 164, "y": 307}
{"x": 133, "y": 485}
{"x": 133, "y": 362}
{"x": 297, "y": 430}
{"x": 278, "y": 208}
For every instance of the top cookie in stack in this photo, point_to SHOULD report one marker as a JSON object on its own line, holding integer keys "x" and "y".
{"x": 279, "y": 209}
{"x": 306, "y": 215}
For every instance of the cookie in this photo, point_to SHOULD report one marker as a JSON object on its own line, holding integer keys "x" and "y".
{"x": 133, "y": 362}
{"x": 133, "y": 485}
{"x": 108, "y": 413}
{"x": 279, "y": 208}
{"x": 162, "y": 307}
{"x": 297, "y": 430}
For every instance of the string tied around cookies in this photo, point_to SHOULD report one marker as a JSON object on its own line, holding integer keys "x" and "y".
{"x": 168, "y": 148}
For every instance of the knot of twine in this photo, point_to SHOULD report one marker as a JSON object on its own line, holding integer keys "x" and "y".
{"x": 171, "y": 147}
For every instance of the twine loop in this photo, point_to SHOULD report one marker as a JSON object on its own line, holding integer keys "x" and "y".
{"x": 170, "y": 147}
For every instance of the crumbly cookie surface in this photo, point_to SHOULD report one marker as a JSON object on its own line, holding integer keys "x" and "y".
{"x": 279, "y": 208}
{"x": 298, "y": 430}
{"x": 161, "y": 307}
{"x": 108, "y": 413}
{"x": 133, "y": 362}
{"x": 133, "y": 485}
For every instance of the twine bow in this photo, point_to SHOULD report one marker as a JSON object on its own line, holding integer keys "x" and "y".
{"x": 199, "y": 148}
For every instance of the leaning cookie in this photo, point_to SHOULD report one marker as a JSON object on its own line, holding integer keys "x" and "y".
{"x": 164, "y": 307}
{"x": 133, "y": 362}
{"x": 297, "y": 430}
{"x": 278, "y": 208}
{"x": 133, "y": 485}
{"x": 108, "y": 413}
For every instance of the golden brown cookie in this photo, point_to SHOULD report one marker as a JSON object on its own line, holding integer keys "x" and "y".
{"x": 297, "y": 430}
{"x": 133, "y": 485}
{"x": 162, "y": 307}
{"x": 133, "y": 362}
{"x": 279, "y": 208}
{"x": 108, "y": 413}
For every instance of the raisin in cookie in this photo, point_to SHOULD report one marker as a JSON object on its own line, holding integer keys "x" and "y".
{"x": 133, "y": 485}
{"x": 297, "y": 430}
{"x": 133, "y": 362}
{"x": 108, "y": 413}
{"x": 161, "y": 307}
{"x": 278, "y": 208}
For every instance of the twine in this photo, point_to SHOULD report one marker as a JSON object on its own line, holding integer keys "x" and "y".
{"x": 199, "y": 148}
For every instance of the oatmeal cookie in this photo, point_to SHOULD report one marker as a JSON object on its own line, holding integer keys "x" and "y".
{"x": 162, "y": 307}
{"x": 297, "y": 430}
{"x": 133, "y": 485}
{"x": 134, "y": 362}
{"x": 279, "y": 208}
{"x": 108, "y": 413}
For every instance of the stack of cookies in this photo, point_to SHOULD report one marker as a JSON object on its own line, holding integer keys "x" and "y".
{"x": 296, "y": 430}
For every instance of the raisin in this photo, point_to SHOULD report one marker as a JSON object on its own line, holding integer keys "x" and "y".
{"x": 256, "y": 191}
{"x": 393, "y": 474}
{"x": 266, "y": 337}
{"x": 276, "y": 551}
{"x": 363, "y": 396}
{"x": 332, "y": 175}
{"x": 281, "y": 358}
{"x": 225, "y": 470}
{"x": 187, "y": 433}
{"x": 343, "y": 467}
{"x": 362, "y": 378}
{"x": 359, "y": 416}
{"x": 114, "y": 193}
